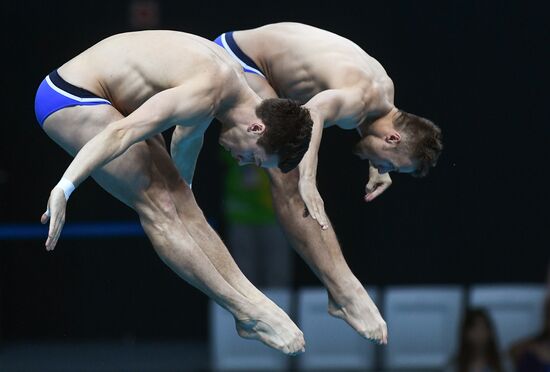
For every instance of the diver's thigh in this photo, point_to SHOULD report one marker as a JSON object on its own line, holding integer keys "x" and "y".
{"x": 127, "y": 176}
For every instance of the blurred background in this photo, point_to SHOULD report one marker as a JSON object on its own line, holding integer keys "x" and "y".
{"x": 470, "y": 235}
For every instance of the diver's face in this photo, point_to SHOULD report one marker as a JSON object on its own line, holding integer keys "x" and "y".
{"x": 245, "y": 149}
{"x": 384, "y": 156}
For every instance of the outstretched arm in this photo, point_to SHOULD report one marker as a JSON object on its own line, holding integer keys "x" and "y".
{"x": 308, "y": 174}
{"x": 326, "y": 108}
{"x": 163, "y": 110}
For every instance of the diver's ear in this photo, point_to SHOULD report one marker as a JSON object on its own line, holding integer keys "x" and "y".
{"x": 393, "y": 138}
{"x": 256, "y": 128}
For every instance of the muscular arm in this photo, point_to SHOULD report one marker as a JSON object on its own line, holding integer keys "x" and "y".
{"x": 337, "y": 106}
{"x": 326, "y": 108}
{"x": 185, "y": 148}
{"x": 187, "y": 105}
{"x": 160, "y": 112}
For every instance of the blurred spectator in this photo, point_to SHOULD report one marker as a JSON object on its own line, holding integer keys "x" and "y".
{"x": 533, "y": 354}
{"x": 478, "y": 346}
{"x": 253, "y": 236}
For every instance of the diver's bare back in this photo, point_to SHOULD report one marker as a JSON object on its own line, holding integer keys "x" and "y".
{"x": 301, "y": 61}
{"x": 127, "y": 69}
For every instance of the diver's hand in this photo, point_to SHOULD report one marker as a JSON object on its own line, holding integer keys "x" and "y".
{"x": 56, "y": 215}
{"x": 314, "y": 203}
{"x": 378, "y": 183}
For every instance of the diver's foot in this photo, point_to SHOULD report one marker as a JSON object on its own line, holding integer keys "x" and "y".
{"x": 360, "y": 312}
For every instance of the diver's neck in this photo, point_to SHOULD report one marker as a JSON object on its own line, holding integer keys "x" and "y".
{"x": 242, "y": 112}
{"x": 373, "y": 124}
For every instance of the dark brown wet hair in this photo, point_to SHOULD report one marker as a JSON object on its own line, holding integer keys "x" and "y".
{"x": 466, "y": 353}
{"x": 423, "y": 140}
{"x": 288, "y": 131}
